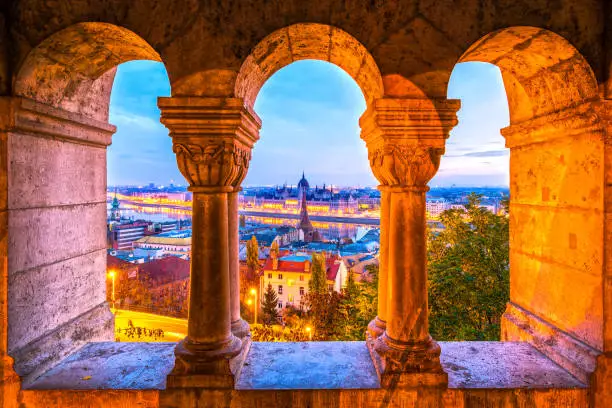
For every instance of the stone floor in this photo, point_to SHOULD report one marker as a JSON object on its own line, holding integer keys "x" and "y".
{"x": 311, "y": 365}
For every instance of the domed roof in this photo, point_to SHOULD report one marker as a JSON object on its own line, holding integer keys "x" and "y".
{"x": 303, "y": 182}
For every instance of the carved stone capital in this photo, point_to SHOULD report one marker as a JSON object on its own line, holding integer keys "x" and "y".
{"x": 405, "y": 138}
{"x": 404, "y": 165}
{"x": 212, "y": 139}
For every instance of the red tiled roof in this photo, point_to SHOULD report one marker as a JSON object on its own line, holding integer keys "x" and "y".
{"x": 332, "y": 270}
{"x": 296, "y": 266}
{"x": 166, "y": 270}
{"x": 112, "y": 262}
{"x": 285, "y": 266}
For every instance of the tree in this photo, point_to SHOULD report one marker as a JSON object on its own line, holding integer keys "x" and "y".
{"x": 242, "y": 221}
{"x": 274, "y": 249}
{"x": 252, "y": 248}
{"x": 468, "y": 274}
{"x": 318, "y": 275}
{"x": 269, "y": 305}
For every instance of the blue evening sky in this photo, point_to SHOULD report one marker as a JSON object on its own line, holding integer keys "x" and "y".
{"x": 310, "y": 112}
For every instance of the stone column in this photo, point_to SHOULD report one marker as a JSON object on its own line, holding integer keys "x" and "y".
{"x": 378, "y": 325}
{"x": 405, "y": 140}
{"x": 212, "y": 139}
{"x": 240, "y": 328}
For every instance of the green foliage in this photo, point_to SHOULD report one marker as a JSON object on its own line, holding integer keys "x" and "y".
{"x": 468, "y": 270}
{"x": 318, "y": 275}
{"x": 252, "y": 248}
{"x": 274, "y": 249}
{"x": 277, "y": 333}
{"x": 269, "y": 305}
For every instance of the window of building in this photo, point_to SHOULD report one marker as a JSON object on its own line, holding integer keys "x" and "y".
{"x": 280, "y": 305}
{"x": 302, "y": 291}
{"x": 280, "y": 276}
{"x": 280, "y": 289}
{"x": 302, "y": 278}
{"x": 290, "y": 299}
{"x": 269, "y": 276}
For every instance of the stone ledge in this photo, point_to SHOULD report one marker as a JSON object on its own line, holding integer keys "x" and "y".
{"x": 35, "y": 118}
{"x": 311, "y": 365}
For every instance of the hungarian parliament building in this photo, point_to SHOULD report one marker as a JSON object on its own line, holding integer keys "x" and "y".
{"x": 320, "y": 201}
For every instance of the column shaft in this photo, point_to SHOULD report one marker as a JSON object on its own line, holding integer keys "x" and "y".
{"x": 407, "y": 320}
{"x": 377, "y": 326}
{"x": 209, "y": 298}
{"x": 240, "y": 328}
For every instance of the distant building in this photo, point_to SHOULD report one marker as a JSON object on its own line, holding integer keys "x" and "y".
{"x": 115, "y": 214}
{"x": 289, "y": 276}
{"x": 122, "y": 236}
{"x": 310, "y": 233}
{"x": 176, "y": 242}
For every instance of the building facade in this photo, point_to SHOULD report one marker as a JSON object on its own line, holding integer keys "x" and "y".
{"x": 289, "y": 276}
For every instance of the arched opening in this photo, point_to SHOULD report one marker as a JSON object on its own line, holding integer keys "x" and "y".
{"x": 57, "y": 185}
{"x": 556, "y": 147}
{"x": 468, "y": 262}
{"x": 149, "y": 212}
{"x": 309, "y": 111}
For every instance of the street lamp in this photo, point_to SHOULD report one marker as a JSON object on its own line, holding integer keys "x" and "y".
{"x": 111, "y": 275}
{"x": 309, "y": 331}
{"x": 254, "y": 293}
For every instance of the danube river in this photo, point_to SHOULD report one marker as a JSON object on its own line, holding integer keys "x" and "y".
{"x": 330, "y": 227}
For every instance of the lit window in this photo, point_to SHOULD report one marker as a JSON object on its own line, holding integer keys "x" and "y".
{"x": 290, "y": 282}
{"x": 290, "y": 298}
{"x": 280, "y": 276}
{"x": 280, "y": 289}
{"x": 302, "y": 291}
{"x": 269, "y": 276}
{"x": 302, "y": 278}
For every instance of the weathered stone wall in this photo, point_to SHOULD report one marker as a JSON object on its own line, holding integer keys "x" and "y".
{"x": 419, "y": 40}
{"x": 424, "y": 397}
{"x": 56, "y": 215}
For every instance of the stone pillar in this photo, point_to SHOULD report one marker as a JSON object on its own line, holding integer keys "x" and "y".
{"x": 378, "y": 325}
{"x": 212, "y": 139}
{"x": 240, "y": 328}
{"x": 405, "y": 140}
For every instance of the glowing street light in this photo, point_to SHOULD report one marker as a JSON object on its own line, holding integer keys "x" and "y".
{"x": 111, "y": 275}
{"x": 254, "y": 294}
{"x": 309, "y": 331}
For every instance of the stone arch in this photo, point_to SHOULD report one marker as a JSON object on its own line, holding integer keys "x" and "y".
{"x": 542, "y": 71}
{"x": 556, "y": 142}
{"x": 308, "y": 41}
{"x": 74, "y": 68}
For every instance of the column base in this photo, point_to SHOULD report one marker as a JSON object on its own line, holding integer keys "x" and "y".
{"x": 376, "y": 328}
{"x": 198, "y": 366}
{"x": 240, "y": 328}
{"x": 407, "y": 365}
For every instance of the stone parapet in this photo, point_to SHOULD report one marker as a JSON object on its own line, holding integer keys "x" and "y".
{"x": 573, "y": 355}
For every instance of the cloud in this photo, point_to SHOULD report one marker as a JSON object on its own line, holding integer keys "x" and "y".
{"x": 488, "y": 153}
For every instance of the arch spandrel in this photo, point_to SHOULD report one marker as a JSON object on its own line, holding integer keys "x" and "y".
{"x": 74, "y": 68}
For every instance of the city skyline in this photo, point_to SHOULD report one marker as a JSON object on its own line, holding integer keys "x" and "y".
{"x": 304, "y": 106}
